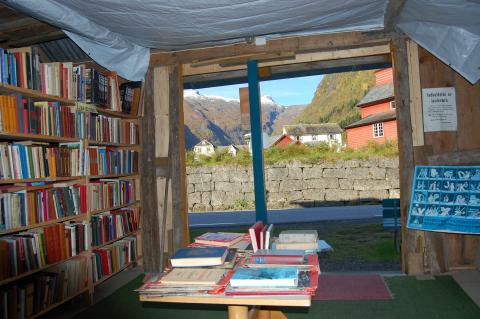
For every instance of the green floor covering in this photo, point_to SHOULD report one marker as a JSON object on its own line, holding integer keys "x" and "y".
{"x": 439, "y": 298}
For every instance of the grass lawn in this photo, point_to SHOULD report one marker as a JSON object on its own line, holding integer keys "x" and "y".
{"x": 357, "y": 245}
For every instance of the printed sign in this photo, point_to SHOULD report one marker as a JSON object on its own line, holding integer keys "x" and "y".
{"x": 439, "y": 109}
{"x": 446, "y": 199}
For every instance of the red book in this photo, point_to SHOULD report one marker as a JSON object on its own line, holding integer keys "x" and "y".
{"x": 254, "y": 232}
{"x": 219, "y": 239}
{"x": 104, "y": 257}
{"x": 49, "y": 242}
{"x": 83, "y": 199}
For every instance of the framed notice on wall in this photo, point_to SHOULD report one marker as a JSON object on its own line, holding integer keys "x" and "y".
{"x": 446, "y": 199}
{"x": 439, "y": 109}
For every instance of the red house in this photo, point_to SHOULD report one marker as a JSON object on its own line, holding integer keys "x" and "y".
{"x": 285, "y": 140}
{"x": 377, "y": 110}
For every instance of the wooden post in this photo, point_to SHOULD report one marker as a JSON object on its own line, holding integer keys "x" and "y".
{"x": 237, "y": 312}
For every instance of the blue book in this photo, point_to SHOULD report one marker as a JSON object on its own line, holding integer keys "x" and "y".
{"x": 275, "y": 277}
{"x": 199, "y": 257}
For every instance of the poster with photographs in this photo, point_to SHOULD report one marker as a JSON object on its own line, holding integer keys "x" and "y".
{"x": 446, "y": 199}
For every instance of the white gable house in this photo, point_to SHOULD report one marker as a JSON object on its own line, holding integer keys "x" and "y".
{"x": 204, "y": 148}
{"x": 310, "y": 134}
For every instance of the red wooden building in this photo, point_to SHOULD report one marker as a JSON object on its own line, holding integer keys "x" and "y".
{"x": 377, "y": 110}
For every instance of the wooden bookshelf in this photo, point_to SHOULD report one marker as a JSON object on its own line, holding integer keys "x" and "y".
{"x": 100, "y": 143}
{"x": 98, "y": 211}
{"x": 122, "y": 115}
{"x": 114, "y": 240}
{"x": 33, "y": 94}
{"x": 55, "y": 305}
{"x": 36, "y": 137}
{"x": 113, "y": 274}
{"x": 135, "y": 175}
{"x": 50, "y": 222}
{"x": 45, "y": 179}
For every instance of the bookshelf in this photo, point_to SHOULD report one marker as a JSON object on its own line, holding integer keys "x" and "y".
{"x": 30, "y": 185}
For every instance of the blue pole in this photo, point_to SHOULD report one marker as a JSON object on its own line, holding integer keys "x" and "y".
{"x": 257, "y": 144}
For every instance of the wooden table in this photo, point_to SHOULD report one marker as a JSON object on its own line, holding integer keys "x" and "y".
{"x": 263, "y": 307}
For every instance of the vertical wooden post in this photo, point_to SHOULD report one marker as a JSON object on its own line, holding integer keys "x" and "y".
{"x": 151, "y": 231}
{"x": 257, "y": 143}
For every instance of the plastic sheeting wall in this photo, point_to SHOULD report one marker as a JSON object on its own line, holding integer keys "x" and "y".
{"x": 118, "y": 33}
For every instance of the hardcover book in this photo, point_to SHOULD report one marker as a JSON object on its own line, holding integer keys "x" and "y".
{"x": 265, "y": 277}
{"x": 219, "y": 239}
{"x": 199, "y": 257}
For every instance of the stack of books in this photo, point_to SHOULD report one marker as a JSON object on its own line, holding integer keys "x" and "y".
{"x": 107, "y": 161}
{"x": 260, "y": 235}
{"x": 44, "y": 289}
{"x": 112, "y": 258}
{"x": 297, "y": 239}
{"x": 113, "y": 224}
{"x": 283, "y": 258}
{"x": 108, "y": 193}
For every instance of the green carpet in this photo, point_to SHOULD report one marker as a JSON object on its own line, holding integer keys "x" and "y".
{"x": 440, "y": 298}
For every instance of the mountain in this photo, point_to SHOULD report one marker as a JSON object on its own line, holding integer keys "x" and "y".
{"x": 217, "y": 118}
{"x": 336, "y": 97}
{"x": 289, "y": 116}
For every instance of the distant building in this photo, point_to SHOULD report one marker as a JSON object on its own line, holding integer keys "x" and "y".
{"x": 204, "y": 148}
{"x": 310, "y": 134}
{"x": 284, "y": 140}
{"x": 266, "y": 139}
{"x": 377, "y": 110}
{"x": 232, "y": 149}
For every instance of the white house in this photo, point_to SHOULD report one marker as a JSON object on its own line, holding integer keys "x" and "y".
{"x": 310, "y": 134}
{"x": 204, "y": 148}
{"x": 232, "y": 149}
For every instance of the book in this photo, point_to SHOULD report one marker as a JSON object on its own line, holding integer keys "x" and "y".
{"x": 270, "y": 256}
{"x": 219, "y": 239}
{"x": 199, "y": 257}
{"x": 254, "y": 232}
{"x": 296, "y": 245}
{"x": 265, "y": 277}
{"x": 262, "y": 237}
{"x": 193, "y": 276}
{"x": 268, "y": 236}
{"x": 112, "y": 258}
{"x": 111, "y": 225}
{"x": 292, "y": 236}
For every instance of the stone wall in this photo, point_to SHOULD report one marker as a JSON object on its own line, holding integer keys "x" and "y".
{"x": 294, "y": 184}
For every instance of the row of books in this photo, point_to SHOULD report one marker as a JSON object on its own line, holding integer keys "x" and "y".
{"x": 113, "y": 130}
{"x": 112, "y": 225}
{"x": 23, "y": 115}
{"x": 21, "y": 67}
{"x": 26, "y": 251}
{"x": 107, "y": 193}
{"x": 112, "y": 258}
{"x": 40, "y": 291}
{"x": 108, "y": 160}
{"x": 19, "y": 207}
{"x": 29, "y": 159}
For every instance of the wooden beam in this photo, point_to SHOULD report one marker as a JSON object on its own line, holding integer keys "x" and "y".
{"x": 410, "y": 245}
{"x": 242, "y": 59}
{"x": 470, "y": 157}
{"x": 191, "y": 69}
{"x": 334, "y": 41}
{"x": 394, "y": 7}
{"x": 415, "y": 94}
{"x": 150, "y": 225}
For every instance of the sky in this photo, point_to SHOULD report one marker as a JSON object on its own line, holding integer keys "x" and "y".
{"x": 294, "y": 91}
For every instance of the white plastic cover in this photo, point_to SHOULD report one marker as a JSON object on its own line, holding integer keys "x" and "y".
{"x": 116, "y": 33}
{"x": 449, "y": 29}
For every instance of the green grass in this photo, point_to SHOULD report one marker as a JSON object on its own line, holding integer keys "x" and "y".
{"x": 301, "y": 153}
{"x": 441, "y": 298}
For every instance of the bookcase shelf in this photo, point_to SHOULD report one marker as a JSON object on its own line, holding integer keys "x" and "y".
{"x": 55, "y": 305}
{"x": 114, "y": 176}
{"x": 113, "y": 274}
{"x": 50, "y": 222}
{"x": 98, "y": 211}
{"x": 36, "y": 95}
{"x": 26, "y": 274}
{"x": 45, "y": 179}
{"x": 122, "y": 115}
{"x": 114, "y": 240}
{"x": 100, "y": 143}
{"x": 35, "y": 137}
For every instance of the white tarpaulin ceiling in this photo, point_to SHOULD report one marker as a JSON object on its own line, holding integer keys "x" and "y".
{"x": 118, "y": 33}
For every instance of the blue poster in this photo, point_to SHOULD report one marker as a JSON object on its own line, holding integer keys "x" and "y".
{"x": 446, "y": 199}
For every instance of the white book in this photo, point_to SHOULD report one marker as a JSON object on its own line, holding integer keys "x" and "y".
{"x": 302, "y": 236}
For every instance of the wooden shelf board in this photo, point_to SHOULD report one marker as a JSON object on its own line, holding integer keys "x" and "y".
{"x": 50, "y": 222}
{"x": 36, "y": 137}
{"x": 116, "y": 113}
{"x": 113, "y": 274}
{"x": 135, "y": 175}
{"x": 26, "y": 274}
{"x": 37, "y": 95}
{"x": 98, "y": 211}
{"x": 55, "y": 305}
{"x": 114, "y": 240}
{"x": 45, "y": 179}
{"x": 100, "y": 143}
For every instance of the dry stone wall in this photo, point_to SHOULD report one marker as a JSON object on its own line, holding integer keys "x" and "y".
{"x": 294, "y": 184}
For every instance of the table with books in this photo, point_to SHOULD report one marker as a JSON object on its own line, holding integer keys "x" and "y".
{"x": 242, "y": 272}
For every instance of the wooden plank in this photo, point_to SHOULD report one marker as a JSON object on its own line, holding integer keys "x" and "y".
{"x": 468, "y": 113}
{"x": 151, "y": 239}
{"x": 394, "y": 7}
{"x": 242, "y": 59}
{"x": 192, "y": 69}
{"x": 470, "y": 157}
{"x": 177, "y": 165}
{"x": 415, "y": 94}
{"x": 404, "y": 124}
{"x": 337, "y": 41}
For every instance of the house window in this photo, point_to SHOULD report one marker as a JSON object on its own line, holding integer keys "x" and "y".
{"x": 331, "y": 136}
{"x": 314, "y": 137}
{"x": 378, "y": 130}
{"x": 392, "y": 105}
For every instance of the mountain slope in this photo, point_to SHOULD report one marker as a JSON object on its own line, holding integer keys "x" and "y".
{"x": 336, "y": 97}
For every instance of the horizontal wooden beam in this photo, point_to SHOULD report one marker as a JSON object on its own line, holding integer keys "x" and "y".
{"x": 194, "y": 69}
{"x": 343, "y": 40}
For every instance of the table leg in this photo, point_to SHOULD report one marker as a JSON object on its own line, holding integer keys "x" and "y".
{"x": 270, "y": 314}
{"x": 237, "y": 312}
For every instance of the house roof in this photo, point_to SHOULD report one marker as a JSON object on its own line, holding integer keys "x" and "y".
{"x": 377, "y": 93}
{"x": 204, "y": 143}
{"x": 374, "y": 118}
{"x": 313, "y": 129}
